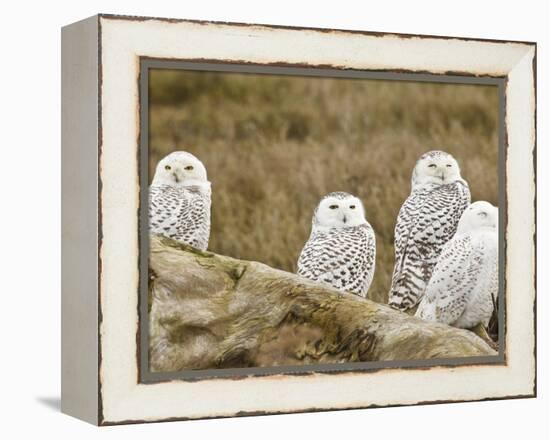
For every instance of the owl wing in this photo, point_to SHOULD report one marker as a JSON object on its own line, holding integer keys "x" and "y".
{"x": 369, "y": 258}
{"x": 344, "y": 259}
{"x": 319, "y": 255}
{"x": 426, "y": 221}
{"x": 194, "y": 225}
{"x": 170, "y": 211}
{"x": 445, "y": 298}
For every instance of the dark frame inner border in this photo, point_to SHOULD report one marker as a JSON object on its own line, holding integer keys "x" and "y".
{"x": 142, "y": 337}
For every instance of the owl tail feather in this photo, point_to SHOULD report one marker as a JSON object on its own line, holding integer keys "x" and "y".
{"x": 406, "y": 291}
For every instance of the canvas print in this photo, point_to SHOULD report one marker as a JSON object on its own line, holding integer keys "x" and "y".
{"x": 314, "y": 220}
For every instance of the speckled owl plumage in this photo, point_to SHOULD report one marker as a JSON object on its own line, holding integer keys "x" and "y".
{"x": 427, "y": 220}
{"x": 341, "y": 257}
{"x": 464, "y": 286}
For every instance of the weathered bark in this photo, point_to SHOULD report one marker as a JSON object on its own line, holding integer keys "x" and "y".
{"x": 211, "y": 311}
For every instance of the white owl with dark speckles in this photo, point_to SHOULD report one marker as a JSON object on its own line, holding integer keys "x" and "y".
{"x": 464, "y": 286}
{"x": 341, "y": 249}
{"x": 179, "y": 200}
{"x": 427, "y": 221}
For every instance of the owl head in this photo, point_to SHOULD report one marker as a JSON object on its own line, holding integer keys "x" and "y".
{"x": 435, "y": 167}
{"x": 479, "y": 215}
{"x": 339, "y": 210}
{"x": 180, "y": 169}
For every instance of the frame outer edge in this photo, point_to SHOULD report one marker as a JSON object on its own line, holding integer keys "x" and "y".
{"x": 142, "y": 18}
{"x": 98, "y": 259}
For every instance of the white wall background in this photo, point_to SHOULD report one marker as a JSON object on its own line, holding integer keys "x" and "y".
{"x": 30, "y": 218}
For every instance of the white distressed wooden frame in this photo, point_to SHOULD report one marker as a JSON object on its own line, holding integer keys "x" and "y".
{"x": 100, "y": 223}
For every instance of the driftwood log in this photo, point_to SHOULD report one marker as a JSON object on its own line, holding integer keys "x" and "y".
{"x": 211, "y": 311}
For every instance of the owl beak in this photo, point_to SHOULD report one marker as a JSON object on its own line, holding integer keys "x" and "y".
{"x": 345, "y": 219}
{"x": 176, "y": 177}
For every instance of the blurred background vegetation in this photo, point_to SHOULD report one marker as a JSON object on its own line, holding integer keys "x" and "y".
{"x": 274, "y": 145}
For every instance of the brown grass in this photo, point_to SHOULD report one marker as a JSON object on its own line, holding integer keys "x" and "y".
{"x": 274, "y": 145}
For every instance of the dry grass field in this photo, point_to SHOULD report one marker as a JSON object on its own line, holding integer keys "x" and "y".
{"x": 274, "y": 145}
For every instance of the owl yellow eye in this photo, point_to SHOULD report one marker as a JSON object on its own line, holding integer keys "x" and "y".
{"x": 449, "y": 165}
{"x": 167, "y": 167}
{"x": 352, "y": 207}
{"x": 333, "y": 206}
{"x": 189, "y": 167}
{"x": 432, "y": 165}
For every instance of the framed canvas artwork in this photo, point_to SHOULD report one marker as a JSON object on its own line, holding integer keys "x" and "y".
{"x": 262, "y": 219}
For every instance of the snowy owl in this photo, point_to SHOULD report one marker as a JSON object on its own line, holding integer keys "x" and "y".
{"x": 179, "y": 200}
{"x": 341, "y": 249}
{"x": 427, "y": 220}
{"x": 464, "y": 285}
